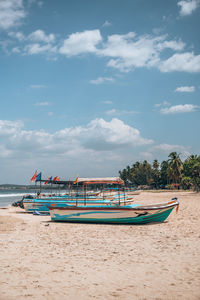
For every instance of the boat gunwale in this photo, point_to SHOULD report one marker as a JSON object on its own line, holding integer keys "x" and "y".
{"x": 174, "y": 202}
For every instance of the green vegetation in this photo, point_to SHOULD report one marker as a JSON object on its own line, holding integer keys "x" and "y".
{"x": 172, "y": 173}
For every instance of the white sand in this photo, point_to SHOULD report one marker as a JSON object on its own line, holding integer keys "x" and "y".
{"x": 40, "y": 259}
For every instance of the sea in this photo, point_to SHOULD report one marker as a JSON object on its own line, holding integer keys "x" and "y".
{"x": 7, "y": 197}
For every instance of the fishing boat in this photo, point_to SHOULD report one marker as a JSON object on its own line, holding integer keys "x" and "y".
{"x": 81, "y": 197}
{"x": 31, "y": 204}
{"x": 126, "y": 214}
{"x": 41, "y": 205}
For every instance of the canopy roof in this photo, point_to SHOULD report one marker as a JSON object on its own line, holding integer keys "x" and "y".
{"x": 106, "y": 180}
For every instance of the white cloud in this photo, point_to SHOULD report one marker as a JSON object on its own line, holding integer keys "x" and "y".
{"x": 167, "y": 148}
{"x": 174, "y": 45}
{"x": 116, "y": 133}
{"x": 107, "y": 24}
{"x": 164, "y": 103}
{"x": 128, "y": 52}
{"x": 107, "y": 102}
{"x": 97, "y": 136}
{"x": 185, "y": 89}
{"x": 16, "y": 50}
{"x": 131, "y": 51}
{"x": 42, "y": 43}
{"x": 81, "y": 42}
{"x": 38, "y": 49}
{"x": 187, "y": 7}
{"x": 17, "y": 35}
{"x": 115, "y": 112}
{"x": 10, "y": 127}
{"x": 98, "y": 149}
{"x": 101, "y": 80}
{"x": 38, "y": 42}
{"x": 146, "y": 155}
{"x": 45, "y": 103}
{"x": 11, "y": 13}
{"x": 177, "y": 109}
{"x": 185, "y": 62}
{"x": 164, "y": 148}
{"x": 41, "y": 36}
{"x": 123, "y": 52}
{"x": 112, "y": 111}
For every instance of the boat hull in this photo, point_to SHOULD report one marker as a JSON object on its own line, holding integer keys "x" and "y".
{"x": 120, "y": 215}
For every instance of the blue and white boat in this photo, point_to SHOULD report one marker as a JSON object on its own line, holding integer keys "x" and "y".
{"x": 32, "y": 204}
{"x": 41, "y": 202}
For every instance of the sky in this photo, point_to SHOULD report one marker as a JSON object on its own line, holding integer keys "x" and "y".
{"x": 89, "y": 87}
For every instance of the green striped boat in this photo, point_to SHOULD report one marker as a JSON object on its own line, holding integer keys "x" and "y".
{"x": 127, "y": 214}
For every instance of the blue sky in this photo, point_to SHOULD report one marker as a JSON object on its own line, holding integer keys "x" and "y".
{"x": 89, "y": 87}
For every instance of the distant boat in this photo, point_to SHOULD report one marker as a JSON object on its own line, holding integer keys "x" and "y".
{"x": 127, "y": 214}
{"x": 31, "y": 204}
{"x": 41, "y": 202}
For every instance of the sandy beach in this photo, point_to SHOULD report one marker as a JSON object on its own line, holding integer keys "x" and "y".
{"x": 45, "y": 260}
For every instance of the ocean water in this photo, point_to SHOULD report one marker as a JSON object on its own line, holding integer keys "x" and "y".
{"x": 7, "y": 197}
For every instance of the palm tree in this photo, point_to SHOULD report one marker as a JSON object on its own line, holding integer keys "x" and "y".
{"x": 169, "y": 173}
{"x": 163, "y": 172}
{"x": 196, "y": 176}
{"x": 191, "y": 169}
{"x": 156, "y": 164}
{"x": 175, "y": 165}
{"x": 156, "y": 173}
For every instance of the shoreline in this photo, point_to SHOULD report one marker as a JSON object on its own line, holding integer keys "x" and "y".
{"x": 41, "y": 259}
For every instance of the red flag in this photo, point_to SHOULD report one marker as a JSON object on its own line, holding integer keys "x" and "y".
{"x": 56, "y": 178}
{"x": 34, "y": 176}
{"x": 47, "y": 181}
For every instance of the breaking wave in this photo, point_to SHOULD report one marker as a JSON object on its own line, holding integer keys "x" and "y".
{"x": 3, "y": 195}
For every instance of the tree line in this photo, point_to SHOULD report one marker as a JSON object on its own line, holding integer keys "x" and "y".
{"x": 170, "y": 173}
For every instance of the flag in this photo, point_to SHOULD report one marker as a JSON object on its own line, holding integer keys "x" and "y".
{"x": 76, "y": 180}
{"x": 39, "y": 177}
{"x": 47, "y": 181}
{"x": 34, "y": 176}
{"x": 56, "y": 178}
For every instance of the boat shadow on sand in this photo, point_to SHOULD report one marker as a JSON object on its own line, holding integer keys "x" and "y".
{"x": 62, "y": 223}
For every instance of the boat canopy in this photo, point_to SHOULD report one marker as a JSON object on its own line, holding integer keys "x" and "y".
{"x": 101, "y": 180}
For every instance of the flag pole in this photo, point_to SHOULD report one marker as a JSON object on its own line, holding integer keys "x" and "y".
{"x": 59, "y": 188}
